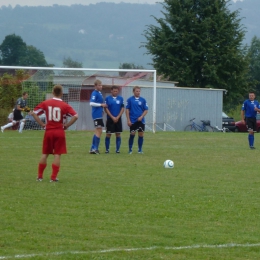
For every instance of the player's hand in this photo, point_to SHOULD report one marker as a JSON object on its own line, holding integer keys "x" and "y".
{"x": 129, "y": 123}
{"x": 140, "y": 118}
{"x": 243, "y": 121}
{"x": 115, "y": 119}
{"x": 104, "y": 105}
{"x": 26, "y": 109}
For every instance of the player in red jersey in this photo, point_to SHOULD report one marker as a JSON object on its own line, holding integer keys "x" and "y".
{"x": 54, "y": 141}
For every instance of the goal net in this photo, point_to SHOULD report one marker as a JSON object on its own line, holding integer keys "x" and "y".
{"x": 78, "y": 85}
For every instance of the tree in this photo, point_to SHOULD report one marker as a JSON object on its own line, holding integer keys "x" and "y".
{"x": 130, "y": 66}
{"x": 254, "y": 66}
{"x": 12, "y": 50}
{"x": 33, "y": 58}
{"x": 199, "y": 44}
{"x": 15, "y": 52}
{"x": 69, "y": 63}
{"x": 11, "y": 88}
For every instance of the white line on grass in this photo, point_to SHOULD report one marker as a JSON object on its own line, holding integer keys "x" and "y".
{"x": 132, "y": 249}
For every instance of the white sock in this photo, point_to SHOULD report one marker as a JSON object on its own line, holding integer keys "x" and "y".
{"x": 21, "y": 126}
{"x": 7, "y": 125}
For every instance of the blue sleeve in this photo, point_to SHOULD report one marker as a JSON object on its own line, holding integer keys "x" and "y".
{"x": 128, "y": 104}
{"x": 122, "y": 102}
{"x": 145, "y": 105}
{"x": 243, "y": 106}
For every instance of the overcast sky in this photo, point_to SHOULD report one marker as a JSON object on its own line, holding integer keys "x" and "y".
{"x": 13, "y": 3}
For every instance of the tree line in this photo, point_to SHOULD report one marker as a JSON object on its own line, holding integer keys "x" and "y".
{"x": 195, "y": 43}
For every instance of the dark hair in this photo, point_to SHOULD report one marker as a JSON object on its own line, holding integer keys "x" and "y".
{"x": 25, "y": 93}
{"x": 57, "y": 90}
{"x": 114, "y": 87}
{"x": 252, "y": 91}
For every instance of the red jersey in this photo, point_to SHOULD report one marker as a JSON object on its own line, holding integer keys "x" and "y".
{"x": 56, "y": 112}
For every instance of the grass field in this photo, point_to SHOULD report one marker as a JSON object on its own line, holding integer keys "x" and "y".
{"x": 120, "y": 206}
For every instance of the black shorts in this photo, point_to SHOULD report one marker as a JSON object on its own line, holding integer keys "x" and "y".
{"x": 17, "y": 115}
{"x": 114, "y": 127}
{"x": 98, "y": 123}
{"x": 251, "y": 123}
{"x": 137, "y": 126}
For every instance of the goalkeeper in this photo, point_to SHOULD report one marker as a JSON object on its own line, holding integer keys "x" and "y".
{"x": 21, "y": 105}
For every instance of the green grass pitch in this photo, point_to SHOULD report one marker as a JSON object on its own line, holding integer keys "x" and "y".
{"x": 120, "y": 206}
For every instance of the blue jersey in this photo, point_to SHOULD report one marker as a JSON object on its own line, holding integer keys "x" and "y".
{"x": 249, "y": 107}
{"x": 136, "y": 108}
{"x": 96, "y": 97}
{"x": 114, "y": 105}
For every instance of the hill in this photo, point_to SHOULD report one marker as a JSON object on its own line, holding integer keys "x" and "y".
{"x": 101, "y": 35}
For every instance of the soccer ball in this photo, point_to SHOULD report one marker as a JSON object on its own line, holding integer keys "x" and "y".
{"x": 168, "y": 164}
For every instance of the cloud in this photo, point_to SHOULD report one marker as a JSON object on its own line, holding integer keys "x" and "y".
{"x": 13, "y": 3}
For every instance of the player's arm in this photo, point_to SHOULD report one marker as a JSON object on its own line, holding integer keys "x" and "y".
{"x": 94, "y": 104}
{"x": 121, "y": 112}
{"x": 71, "y": 122}
{"x": 129, "y": 123}
{"x": 18, "y": 107}
{"x": 143, "y": 115}
{"x": 108, "y": 112}
{"x": 257, "y": 108}
{"x": 243, "y": 116}
{"x": 37, "y": 119}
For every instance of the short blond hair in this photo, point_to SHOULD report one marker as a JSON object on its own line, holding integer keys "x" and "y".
{"x": 97, "y": 82}
{"x": 136, "y": 87}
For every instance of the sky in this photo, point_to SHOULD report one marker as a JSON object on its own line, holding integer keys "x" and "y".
{"x": 13, "y": 3}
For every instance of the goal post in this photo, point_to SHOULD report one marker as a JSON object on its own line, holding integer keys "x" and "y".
{"x": 77, "y": 87}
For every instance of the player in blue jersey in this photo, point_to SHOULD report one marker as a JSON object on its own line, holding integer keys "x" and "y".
{"x": 21, "y": 103}
{"x": 136, "y": 109}
{"x": 249, "y": 110}
{"x": 97, "y": 103}
{"x": 115, "y": 109}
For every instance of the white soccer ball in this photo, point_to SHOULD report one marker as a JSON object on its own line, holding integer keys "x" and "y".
{"x": 168, "y": 164}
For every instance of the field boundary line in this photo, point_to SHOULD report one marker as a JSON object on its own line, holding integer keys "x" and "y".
{"x": 132, "y": 249}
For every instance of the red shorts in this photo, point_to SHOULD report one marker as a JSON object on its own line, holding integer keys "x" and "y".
{"x": 54, "y": 142}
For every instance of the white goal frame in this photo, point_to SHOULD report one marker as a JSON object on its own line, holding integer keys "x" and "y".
{"x": 97, "y": 69}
